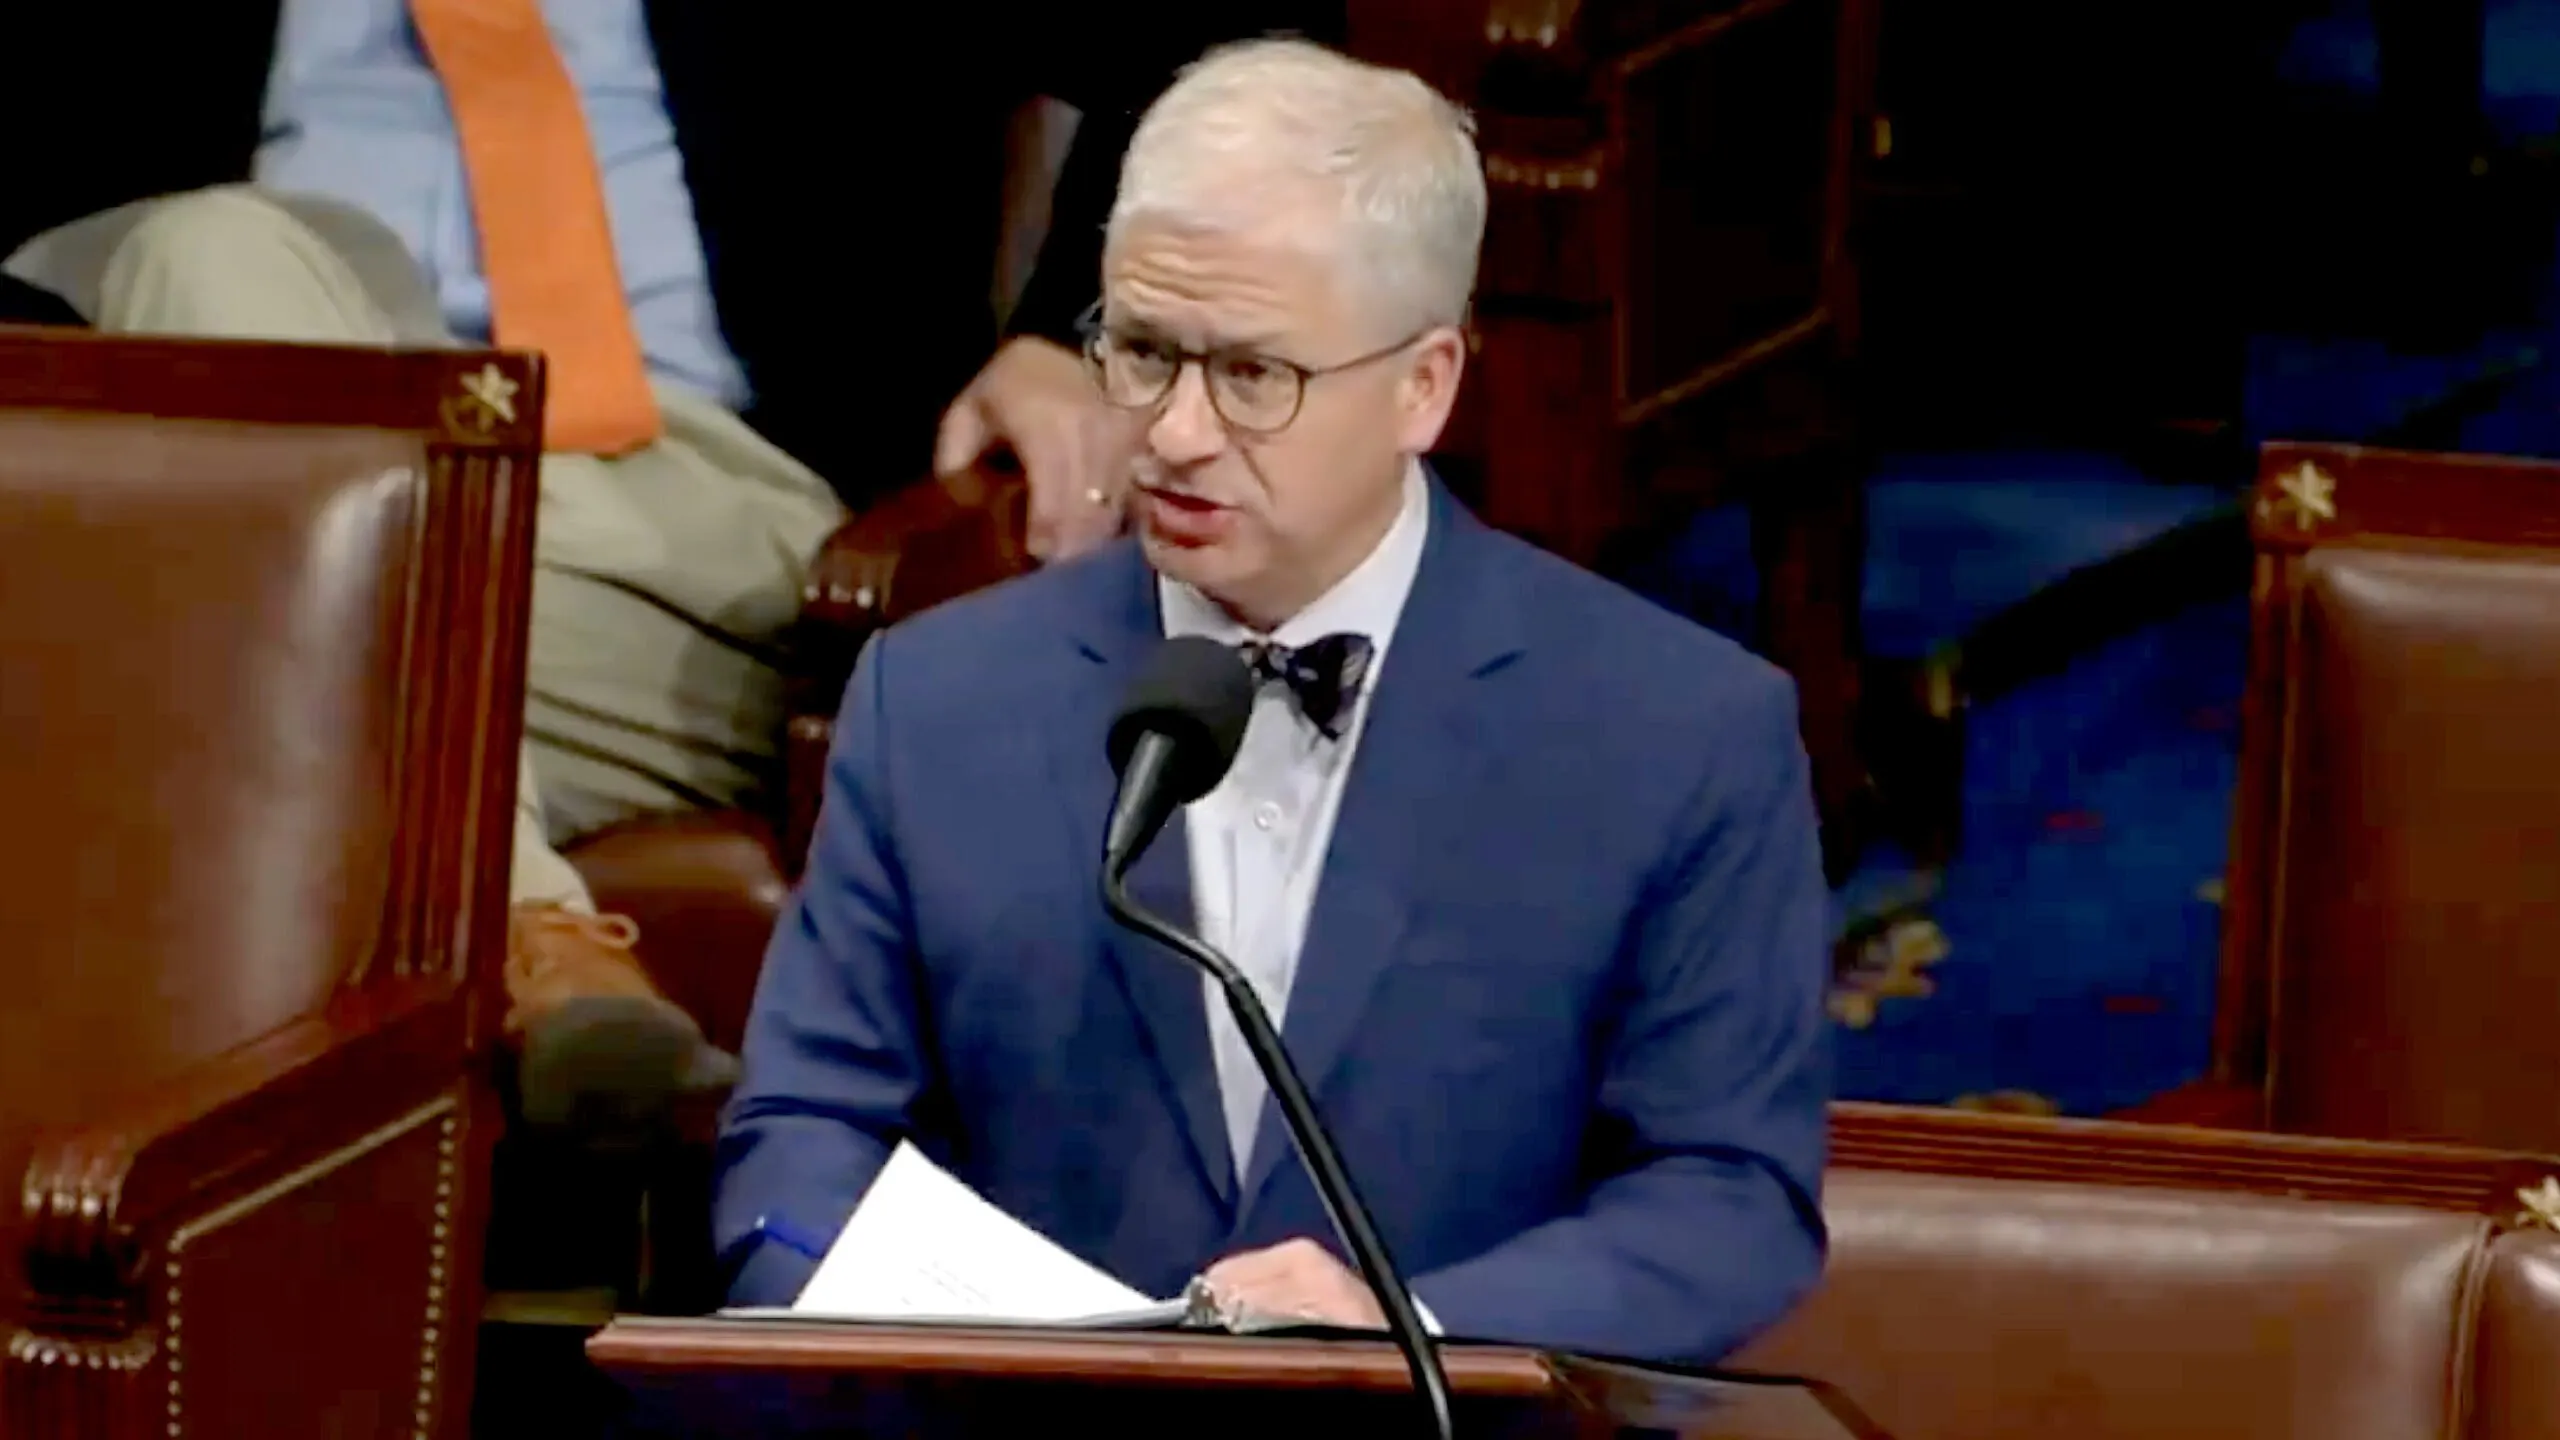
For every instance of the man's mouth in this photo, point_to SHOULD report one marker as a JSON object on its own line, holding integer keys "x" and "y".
{"x": 1182, "y": 500}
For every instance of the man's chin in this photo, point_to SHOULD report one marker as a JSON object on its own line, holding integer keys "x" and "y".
{"x": 1214, "y": 569}
{"x": 1184, "y": 559}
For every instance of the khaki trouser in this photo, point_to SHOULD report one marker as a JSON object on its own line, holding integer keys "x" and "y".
{"x": 662, "y": 578}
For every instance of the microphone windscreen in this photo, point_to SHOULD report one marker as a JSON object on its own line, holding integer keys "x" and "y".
{"x": 1196, "y": 693}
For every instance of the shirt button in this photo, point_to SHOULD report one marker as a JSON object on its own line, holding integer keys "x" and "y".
{"x": 1266, "y": 815}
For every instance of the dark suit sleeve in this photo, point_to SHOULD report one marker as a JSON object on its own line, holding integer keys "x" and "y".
{"x": 1708, "y": 1225}
{"x": 1111, "y": 74}
{"x": 835, "y": 1070}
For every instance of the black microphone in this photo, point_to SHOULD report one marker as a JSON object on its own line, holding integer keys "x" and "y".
{"x": 1175, "y": 739}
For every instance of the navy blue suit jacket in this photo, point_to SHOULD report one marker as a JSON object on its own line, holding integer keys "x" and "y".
{"x": 1561, "y": 996}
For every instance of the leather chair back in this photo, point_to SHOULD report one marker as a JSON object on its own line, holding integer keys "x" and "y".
{"x": 203, "y": 628}
{"x": 1994, "y": 1277}
{"x": 2389, "y": 960}
{"x": 262, "y": 618}
{"x": 1967, "y": 1309}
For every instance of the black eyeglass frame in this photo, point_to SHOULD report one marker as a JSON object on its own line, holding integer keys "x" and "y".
{"x": 1096, "y": 335}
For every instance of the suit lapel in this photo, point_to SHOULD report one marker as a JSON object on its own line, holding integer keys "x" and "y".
{"x": 1162, "y": 987}
{"x": 1423, "y": 737}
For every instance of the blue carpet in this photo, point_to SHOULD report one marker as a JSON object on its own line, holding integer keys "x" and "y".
{"x": 1954, "y": 538}
{"x": 2524, "y": 421}
{"x": 2071, "y": 947}
{"x": 2079, "y": 924}
{"x": 1960, "y": 536}
{"x": 2302, "y": 388}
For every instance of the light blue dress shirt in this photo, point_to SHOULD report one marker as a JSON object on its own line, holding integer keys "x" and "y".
{"x": 354, "y": 112}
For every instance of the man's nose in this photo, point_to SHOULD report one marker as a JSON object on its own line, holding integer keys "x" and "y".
{"x": 1187, "y": 429}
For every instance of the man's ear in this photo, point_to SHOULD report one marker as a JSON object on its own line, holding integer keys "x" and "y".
{"x": 1430, "y": 388}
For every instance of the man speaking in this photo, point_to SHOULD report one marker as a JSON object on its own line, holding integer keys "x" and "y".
{"x": 1524, "y": 865}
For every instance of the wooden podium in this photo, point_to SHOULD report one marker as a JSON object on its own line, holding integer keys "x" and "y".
{"x": 779, "y": 1377}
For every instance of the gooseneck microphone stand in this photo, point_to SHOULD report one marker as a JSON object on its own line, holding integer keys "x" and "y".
{"x": 1315, "y": 1147}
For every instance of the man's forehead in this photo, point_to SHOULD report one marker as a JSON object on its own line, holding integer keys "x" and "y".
{"x": 1197, "y": 331}
{"x": 1207, "y": 318}
{"x": 1236, "y": 299}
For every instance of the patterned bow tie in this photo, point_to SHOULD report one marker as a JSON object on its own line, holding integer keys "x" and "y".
{"x": 1324, "y": 676}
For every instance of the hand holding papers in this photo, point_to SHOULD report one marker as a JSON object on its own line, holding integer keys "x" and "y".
{"x": 922, "y": 1248}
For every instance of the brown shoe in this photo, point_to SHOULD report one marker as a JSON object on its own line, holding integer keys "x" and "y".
{"x": 598, "y": 1044}
{"x": 555, "y": 955}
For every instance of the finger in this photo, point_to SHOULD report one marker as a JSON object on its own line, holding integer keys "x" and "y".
{"x": 1056, "y": 498}
{"x": 1052, "y": 463}
{"x": 1268, "y": 1295}
{"x": 1285, "y": 1290}
{"x": 1303, "y": 1278}
{"x": 1293, "y": 1298}
{"x": 1092, "y": 527}
{"x": 1108, "y": 511}
{"x": 962, "y": 438}
{"x": 1114, "y": 446}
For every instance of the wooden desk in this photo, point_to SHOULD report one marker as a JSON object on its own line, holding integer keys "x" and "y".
{"x": 784, "y": 1377}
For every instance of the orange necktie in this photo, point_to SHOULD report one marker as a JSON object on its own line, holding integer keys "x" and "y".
{"x": 546, "y": 243}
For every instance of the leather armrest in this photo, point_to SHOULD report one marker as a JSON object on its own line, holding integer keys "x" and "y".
{"x": 931, "y": 542}
{"x": 94, "y": 1196}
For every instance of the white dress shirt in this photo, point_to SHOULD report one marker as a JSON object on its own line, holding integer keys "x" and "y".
{"x": 1258, "y": 841}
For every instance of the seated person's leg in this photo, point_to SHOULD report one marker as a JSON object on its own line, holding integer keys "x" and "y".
{"x": 599, "y": 1047}
{"x": 231, "y": 262}
{"x": 600, "y": 1057}
{"x": 665, "y": 581}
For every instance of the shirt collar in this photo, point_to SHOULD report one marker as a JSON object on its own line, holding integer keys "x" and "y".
{"x": 1368, "y": 601}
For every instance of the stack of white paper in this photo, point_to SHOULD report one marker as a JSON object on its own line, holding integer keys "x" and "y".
{"x": 923, "y": 1247}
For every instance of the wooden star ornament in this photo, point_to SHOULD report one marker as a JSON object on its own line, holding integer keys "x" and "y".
{"x": 491, "y": 392}
{"x": 2541, "y": 1205}
{"x": 2308, "y": 494}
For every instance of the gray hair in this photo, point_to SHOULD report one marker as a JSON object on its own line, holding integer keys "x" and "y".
{"x": 1400, "y": 158}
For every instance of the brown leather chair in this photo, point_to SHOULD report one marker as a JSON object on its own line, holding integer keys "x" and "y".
{"x": 2388, "y": 947}
{"x": 706, "y": 889}
{"x": 262, "y": 654}
{"x": 1995, "y": 1276}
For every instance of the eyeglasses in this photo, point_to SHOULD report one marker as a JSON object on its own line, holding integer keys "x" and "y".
{"x": 1256, "y": 393}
